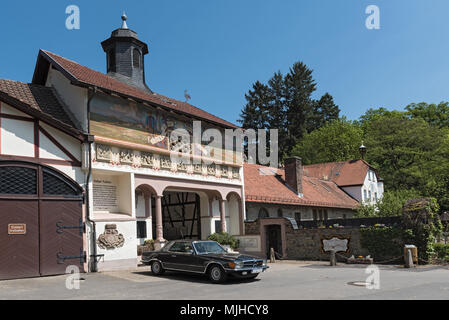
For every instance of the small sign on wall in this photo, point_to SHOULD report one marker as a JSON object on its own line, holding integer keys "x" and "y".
{"x": 17, "y": 229}
{"x": 293, "y": 222}
{"x": 250, "y": 243}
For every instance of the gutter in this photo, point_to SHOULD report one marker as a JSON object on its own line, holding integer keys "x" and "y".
{"x": 89, "y": 174}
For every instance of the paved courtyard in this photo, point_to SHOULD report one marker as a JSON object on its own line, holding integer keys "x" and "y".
{"x": 283, "y": 281}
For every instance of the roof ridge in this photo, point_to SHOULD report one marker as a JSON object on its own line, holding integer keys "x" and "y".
{"x": 331, "y": 162}
{"x": 161, "y": 97}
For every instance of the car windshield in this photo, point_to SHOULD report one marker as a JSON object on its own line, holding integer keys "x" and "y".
{"x": 208, "y": 247}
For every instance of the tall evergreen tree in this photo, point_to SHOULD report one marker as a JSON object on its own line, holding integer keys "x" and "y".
{"x": 324, "y": 111}
{"x": 276, "y": 112}
{"x": 299, "y": 88}
{"x": 285, "y": 103}
{"x": 254, "y": 114}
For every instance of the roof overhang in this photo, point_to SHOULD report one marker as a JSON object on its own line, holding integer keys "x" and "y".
{"x": 41, "y": 73}
{"x": 26, "y": 108}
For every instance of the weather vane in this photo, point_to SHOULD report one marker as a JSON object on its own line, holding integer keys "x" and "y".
{"x": 187, "y": 96}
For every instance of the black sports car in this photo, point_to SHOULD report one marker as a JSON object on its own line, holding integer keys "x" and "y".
{"x": 203, "y": 257}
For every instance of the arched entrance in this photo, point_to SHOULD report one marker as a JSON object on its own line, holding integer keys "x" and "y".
{"x": 41, "y": 221}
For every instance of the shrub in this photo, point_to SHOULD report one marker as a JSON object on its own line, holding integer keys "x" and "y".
{"x": 224, "y": 238}
{"x": 441, "y": 251}
{"x": 383, "y": 243}
{"x": 421, "y": 220}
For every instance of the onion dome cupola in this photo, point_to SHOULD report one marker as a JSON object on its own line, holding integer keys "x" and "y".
{"x": 125, "y": 56}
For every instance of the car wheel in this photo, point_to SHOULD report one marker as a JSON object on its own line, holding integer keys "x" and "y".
{"x": 217, "y": 274}
{"x": 156, "y": 268}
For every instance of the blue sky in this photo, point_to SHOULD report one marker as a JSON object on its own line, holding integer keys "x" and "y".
{"x": 216, "y": 49}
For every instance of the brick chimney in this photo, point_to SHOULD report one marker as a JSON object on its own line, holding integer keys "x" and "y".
{"x": 293, "y": 174}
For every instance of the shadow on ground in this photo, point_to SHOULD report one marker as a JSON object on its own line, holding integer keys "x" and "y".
{"x": 197, "y": 278}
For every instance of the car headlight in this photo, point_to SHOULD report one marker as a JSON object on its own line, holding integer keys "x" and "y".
{"x": 264, "y": 262}
{"x": 235, "y": 265}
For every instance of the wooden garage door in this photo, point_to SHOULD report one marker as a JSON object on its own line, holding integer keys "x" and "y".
{"x": 19, "y": 250}
{"x": 41, "y": 226}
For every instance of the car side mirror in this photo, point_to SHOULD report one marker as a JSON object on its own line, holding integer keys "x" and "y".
{"x": 190, "y": 251}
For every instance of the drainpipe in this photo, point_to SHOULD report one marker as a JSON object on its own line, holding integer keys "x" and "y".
{"x": 89, "y": 174}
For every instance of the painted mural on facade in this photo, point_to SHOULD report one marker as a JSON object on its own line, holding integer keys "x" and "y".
{"x": 131, "y": 122}
{"x": 127, "y": 121}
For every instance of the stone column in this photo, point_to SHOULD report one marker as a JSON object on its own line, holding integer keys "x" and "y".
{"x": 241, "y": 223}
{"x": 223, "y": 215}
{"x": 159, "y": 228}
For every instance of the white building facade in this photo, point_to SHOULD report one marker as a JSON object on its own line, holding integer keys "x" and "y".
{"x": 109, "y": 138}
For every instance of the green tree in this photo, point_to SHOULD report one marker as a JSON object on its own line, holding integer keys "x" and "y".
{"x": 299, "y": 104}
{"x": 254, "y": 114}
{"x": 324, "y": 110}
{"x": 276, "y": 112}
{"x": 338, "y": 140}
{"x": 434, "y": 114}
{"x": 285, "y": 103}
{"x": 392, "y": 202}
{"x": 408, "y": 152}
{"x": 390, "y": 205}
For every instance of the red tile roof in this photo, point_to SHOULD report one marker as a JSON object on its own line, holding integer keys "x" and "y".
{"x": 265, "y": 188}
{"x": 38, "y": 100}
{"x": 86, "y": 76}
{"x": 347, "y": 173}
{"x": 38, "y": 97}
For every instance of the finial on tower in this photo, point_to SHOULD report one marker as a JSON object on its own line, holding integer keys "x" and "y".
{"x": 124, "y": 18}
{"x": 362, "y": 150}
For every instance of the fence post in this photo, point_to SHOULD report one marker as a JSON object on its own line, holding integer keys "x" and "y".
{"x": 409, "y": 260}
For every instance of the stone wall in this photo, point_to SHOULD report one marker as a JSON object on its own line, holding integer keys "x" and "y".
{"x": 252, "y": 228}
{"x": 305, "y": 244}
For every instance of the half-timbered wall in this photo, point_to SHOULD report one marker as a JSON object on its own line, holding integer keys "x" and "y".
{"x": 23, "y": 137}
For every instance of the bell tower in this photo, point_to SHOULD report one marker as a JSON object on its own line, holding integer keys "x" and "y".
{"x": 125, "y": 56}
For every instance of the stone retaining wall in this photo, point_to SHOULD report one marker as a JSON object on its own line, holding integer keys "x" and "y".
{"x": 305, "y": 244}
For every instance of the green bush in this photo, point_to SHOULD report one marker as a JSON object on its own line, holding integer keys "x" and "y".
{"x": 421, "y": 220}
{"x": 383, "y": 243}
{"x": 390, "y": 205}
{"x": 441, "y": 251}
{"x": 224, "y": 238}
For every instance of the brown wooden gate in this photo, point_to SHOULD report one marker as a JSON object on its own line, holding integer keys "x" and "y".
{"x": 41, "y": 226}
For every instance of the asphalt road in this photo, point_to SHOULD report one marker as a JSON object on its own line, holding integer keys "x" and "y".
{"x": 283, "y": 281}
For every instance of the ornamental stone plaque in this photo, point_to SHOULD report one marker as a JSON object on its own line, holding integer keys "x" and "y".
{"x": 111, "y": 239}
{"x": 335, "y": 244}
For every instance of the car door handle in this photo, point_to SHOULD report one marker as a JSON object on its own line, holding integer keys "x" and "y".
{"x": 173, "y": 255}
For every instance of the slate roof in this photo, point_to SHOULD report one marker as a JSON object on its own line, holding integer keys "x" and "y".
{"x": 84, "y": 76}
{"x": 263, "y": 188}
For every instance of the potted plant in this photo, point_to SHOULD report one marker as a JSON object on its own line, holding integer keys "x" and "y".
{"x": 225, "y": 239}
